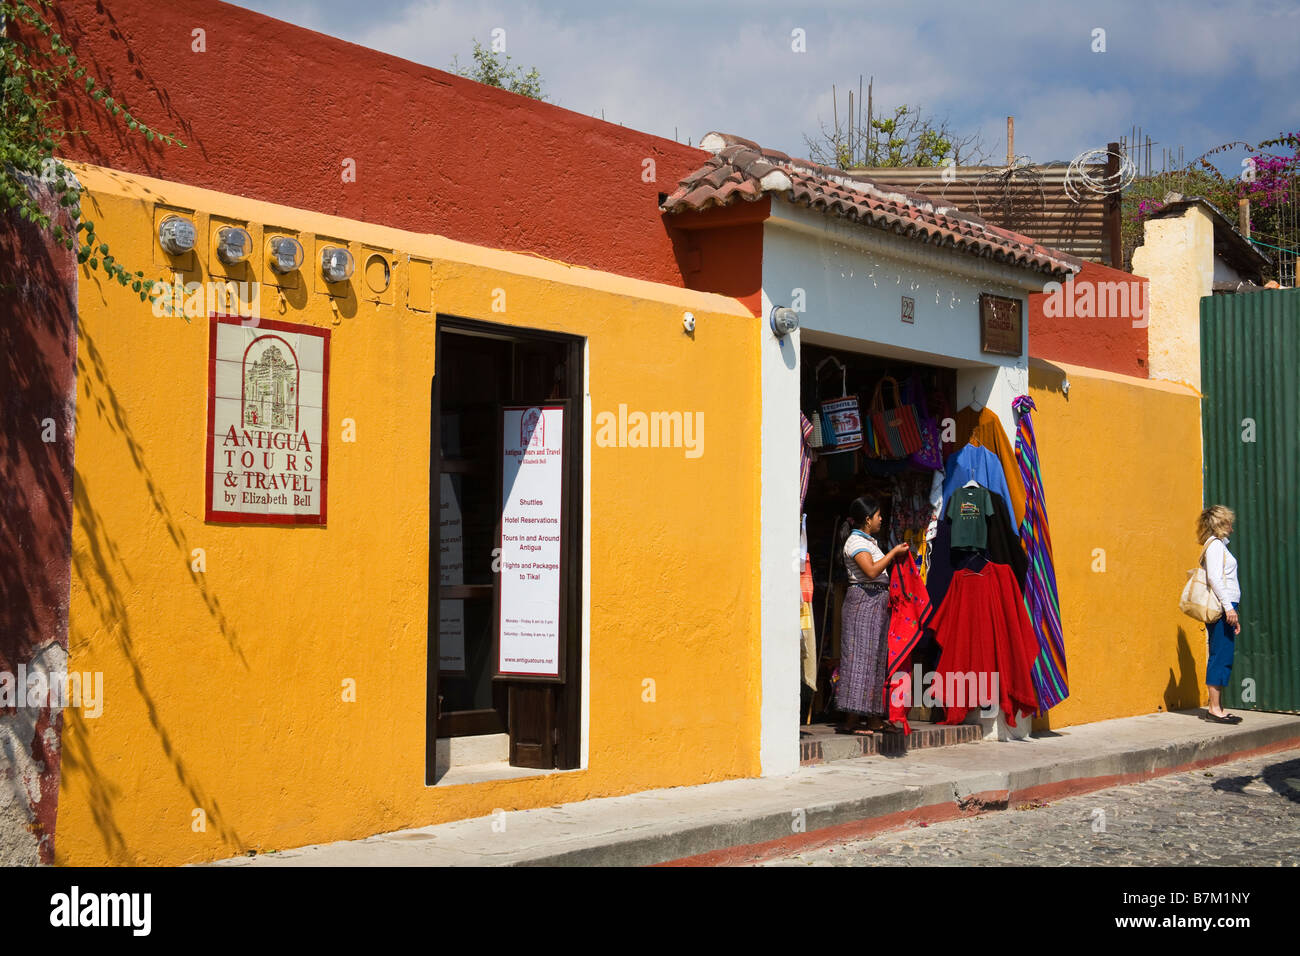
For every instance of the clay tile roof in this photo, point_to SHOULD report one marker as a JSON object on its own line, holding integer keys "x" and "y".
{"x": 741, "y": 169}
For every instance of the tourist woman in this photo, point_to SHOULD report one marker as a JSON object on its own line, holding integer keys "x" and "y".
{"x": 1213, "y": 526}
{"x": 864, "y": 634}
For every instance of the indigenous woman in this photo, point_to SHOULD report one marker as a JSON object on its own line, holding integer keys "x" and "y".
{"x": 864, "y": 635}
{"x": 1213, "y": 526}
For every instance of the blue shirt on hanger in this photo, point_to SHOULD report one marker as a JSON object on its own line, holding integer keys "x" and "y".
{"x": 976, "y": 463}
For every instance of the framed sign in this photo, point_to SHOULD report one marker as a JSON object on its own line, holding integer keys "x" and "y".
{"x": 909, "y": 310}
{"x": 268, "y": 397}
{"x": 1001, "y": 325}
{"x": 530, "y": 609}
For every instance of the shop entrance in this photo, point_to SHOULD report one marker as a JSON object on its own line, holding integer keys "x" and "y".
{"x": 902, "y": 484}
{"x": 480, "y": 370}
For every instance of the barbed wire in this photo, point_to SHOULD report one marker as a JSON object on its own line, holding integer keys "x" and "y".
{"x": 1080, "y": 175}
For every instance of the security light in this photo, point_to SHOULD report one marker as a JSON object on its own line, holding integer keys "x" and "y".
{"x": 784, "y": 321}
{"x": 286, "y": 254}
{"x": 176, "y": 235}
{"x": 234, "y": 245}
{"x": 336, "y": 264}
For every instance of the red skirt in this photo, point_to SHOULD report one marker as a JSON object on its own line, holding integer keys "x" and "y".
{"x": 988, "y": 645}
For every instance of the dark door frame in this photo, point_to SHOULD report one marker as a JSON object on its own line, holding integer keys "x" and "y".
{"x": 568, "y": 695}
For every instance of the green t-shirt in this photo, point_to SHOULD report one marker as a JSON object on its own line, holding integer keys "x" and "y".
{"x": 969, "y": 509}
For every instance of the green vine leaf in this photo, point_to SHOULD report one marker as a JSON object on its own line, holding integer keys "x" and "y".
{"x": 36, "y": 76}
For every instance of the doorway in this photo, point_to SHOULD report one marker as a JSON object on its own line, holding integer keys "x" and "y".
{"x": 480, "y": 369}
{"x": 901, "y": 485}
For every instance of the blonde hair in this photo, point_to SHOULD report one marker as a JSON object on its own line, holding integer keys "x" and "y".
{"x": 1214, "y": 522}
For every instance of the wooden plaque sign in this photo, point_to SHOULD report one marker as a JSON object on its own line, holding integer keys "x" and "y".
{"x": 1001, "y": 325}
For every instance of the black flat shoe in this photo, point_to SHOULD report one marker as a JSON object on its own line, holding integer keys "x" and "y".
{"x": 1225, "y": 719}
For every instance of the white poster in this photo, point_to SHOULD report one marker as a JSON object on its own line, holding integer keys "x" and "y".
{"x": 531, "y": 473}
{"x": 451, "y": 613}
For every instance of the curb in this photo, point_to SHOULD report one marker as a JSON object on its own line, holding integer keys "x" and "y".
{"x": 768, "y": 835}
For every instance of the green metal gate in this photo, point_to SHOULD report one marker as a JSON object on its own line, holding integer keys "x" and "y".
{"x": 1250, "y": 376}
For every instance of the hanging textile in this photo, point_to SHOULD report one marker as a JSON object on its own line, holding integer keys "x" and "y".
{"x": 932, "y": 527}
{"x": 805, "y": 456}
{"x": 1041, "y": 599}
{"x": 1003, "y": 547}
{"x": 909, "y": 513}
{"x": 909, "y": 605}
{"x": 983, "y": 630}
{"x": 984, "y": 430}
{"x": 807, "y": 633}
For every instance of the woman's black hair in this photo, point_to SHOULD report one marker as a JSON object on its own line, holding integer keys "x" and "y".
{"x": 860, "y": 509}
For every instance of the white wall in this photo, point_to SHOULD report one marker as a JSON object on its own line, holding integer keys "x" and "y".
{"x": 779, "y": 568}
{"x": 853, "y": 278}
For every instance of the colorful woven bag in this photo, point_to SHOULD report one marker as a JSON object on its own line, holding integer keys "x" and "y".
{"x": 896, "y": 428}
{"x": 842, "y": 419}
{"x": 930, "y": 454}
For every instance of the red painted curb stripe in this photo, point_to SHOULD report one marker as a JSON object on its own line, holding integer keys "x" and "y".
{"x": 939, "y": 812}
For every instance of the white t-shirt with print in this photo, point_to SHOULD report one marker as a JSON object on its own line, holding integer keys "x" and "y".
{"x": 856, "y": 543}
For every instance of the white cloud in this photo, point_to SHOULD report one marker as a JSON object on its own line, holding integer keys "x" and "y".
{"x": 1183, "y": 71}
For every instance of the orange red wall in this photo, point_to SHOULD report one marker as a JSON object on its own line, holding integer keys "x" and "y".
{"x": 1103, "y": 341}
{"x": 271, "y": 111}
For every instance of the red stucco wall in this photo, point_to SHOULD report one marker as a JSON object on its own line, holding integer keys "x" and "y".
{"x": 271, "y": 111}
{"x": 1105, "y": 337}
{"x": 38, "y": 336}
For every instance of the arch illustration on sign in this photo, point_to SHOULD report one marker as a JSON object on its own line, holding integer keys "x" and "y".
{"x": 270, "y": 396}
{"x": 267, "y": 442}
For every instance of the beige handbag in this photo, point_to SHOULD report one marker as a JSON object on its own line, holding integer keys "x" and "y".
{"x": 1198, "y": 600}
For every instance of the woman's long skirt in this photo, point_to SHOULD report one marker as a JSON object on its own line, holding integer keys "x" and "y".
{"x": 864, "y": 651}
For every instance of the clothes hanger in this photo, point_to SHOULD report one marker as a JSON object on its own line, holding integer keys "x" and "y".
{"x": 830, "y": 359}
{"x": 844, "y": 373}
{"x": 971, "y": 484}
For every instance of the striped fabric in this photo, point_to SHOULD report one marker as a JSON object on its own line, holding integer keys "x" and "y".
{"x": 1041, "y": 600}
{"x": 805, "y": 456}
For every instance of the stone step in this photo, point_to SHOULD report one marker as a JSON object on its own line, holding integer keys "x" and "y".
{"x": 819, "y": 743}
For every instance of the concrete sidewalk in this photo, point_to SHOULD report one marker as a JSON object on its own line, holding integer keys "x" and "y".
{"x": 741, "y": 820}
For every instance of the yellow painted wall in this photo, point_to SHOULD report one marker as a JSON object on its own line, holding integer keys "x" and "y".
{"x": 1121, "y": 464}
{"x": 1177, "y": 255}
{"x": 223, "y": 688}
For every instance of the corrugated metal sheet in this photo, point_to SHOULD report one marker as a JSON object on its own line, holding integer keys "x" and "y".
{"x": 1250, "y": 375}
{"x": 1033, "y": 202}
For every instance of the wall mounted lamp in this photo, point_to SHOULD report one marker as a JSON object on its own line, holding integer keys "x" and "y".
{"x": 784, "y": 320}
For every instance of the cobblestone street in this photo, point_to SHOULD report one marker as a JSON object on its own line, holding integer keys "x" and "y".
{"x": 1243, "y": 813}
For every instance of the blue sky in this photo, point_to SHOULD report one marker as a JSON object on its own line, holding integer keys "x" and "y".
{"x": 1194, "y": 73}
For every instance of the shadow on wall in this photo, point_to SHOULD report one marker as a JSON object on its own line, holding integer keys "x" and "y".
{"x": 98, "y": 566}
{"x": 1184, "y": 689}
{"x": 37, "y": 394}
{"x": 81, "y": 113}
{"x": 42, "y": 368}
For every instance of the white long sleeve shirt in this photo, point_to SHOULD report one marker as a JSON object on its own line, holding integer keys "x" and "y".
{"x": 1221, "y": 572}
